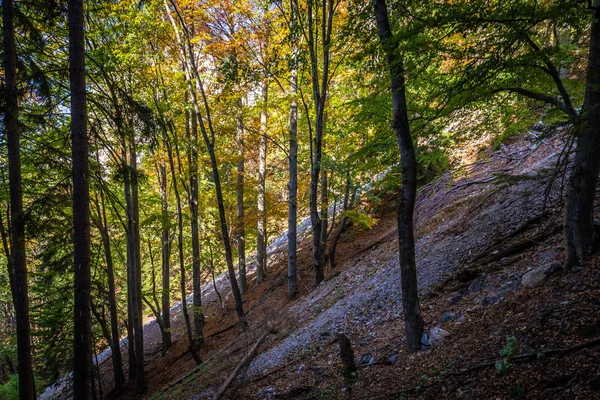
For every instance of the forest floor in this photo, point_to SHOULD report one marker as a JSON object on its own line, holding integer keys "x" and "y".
{"x": 489, "y": 257}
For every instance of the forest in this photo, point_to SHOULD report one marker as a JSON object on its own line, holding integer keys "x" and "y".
{"x": 300, "y": 199}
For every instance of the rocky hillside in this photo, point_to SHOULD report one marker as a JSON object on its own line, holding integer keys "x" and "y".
{"x": 503, "y": 319}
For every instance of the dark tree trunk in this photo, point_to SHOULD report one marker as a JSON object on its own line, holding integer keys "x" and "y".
{"x": 406, "y": 240}
{"x": 347, "y": 357}
{"x": 579, "y": 233}
{"x": 114, "y": 341}
{"x": 197, "y": 285}
{"x": 81, "y": 204}
{"x": 132, "y": 293}
{"x": 342, "y": 225}
{"x": 324, "y": 215}
{"x": 240, "y": 235}
{"x": 138, "y": 332}
{"x": 184, "y": 306}
{"x": 261, "y": 240}
{"x": 320, "y": 86}
{"x": 293, "y": 164}
{"x": 18, "y": 266}
{"x": 166, "y": 256}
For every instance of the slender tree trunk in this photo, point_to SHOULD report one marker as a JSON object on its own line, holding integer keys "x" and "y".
{"x": 19, "y": 288}
{"x": 184, "y": 306}
{"x": 293, "y": 165}
{"x": 342, "y": 225}
{"x": 324, "y": 215}
{"x": 320, "y": 88}
{"x": 131, "y": 264}
{"x": 81, "y": 204}
{"x": 579, "y": 234}
{"x": 166, "y": 256}
{"x": 137, "y": 275}
{"x": 115, "y": 344}
{"x": 261, "y": 245}
{"x": 239, "y": 195}
{"x": 197, "y": 309}
{"x": 406, "y": 240}
{"x": 192, "y": 73}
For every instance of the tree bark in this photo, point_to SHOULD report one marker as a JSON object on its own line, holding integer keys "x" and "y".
{"x": 320, "y": 86}
{"x": 406, "y": 240}
{"x": 115, "y": 344}
{"x": 324, "y": 215}
{"x": 184, "y": 306}
{"x": 81, "y": 201}
{"x": 239, "y": 196}
{"x": 131, "y": 283}
{"x": 261, "y": 245}
{"x": 342, "y": 225}
{"x": 137, "y": 275}
{"x": 293, "y": 163}
{"x": 197, "y": 284}
{"x": 579, "y": 235}
{"x": 18, "y": 263}
{"x": 166, "y": 256}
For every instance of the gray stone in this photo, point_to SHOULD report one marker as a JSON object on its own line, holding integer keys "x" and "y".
{"x": 425, "y": 341}
{"x": 490, "y": 299}
{"x": 436, "y": 334}
{"x": 367, "y": 358}
{"x": 536, "y": 276}
{"x": 476, "y": 285}
{"x": 455, "y": 299}
{"x": 449, "y": 316}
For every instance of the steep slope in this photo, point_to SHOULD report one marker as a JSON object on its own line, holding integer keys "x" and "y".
{"x": 482, "y": 231}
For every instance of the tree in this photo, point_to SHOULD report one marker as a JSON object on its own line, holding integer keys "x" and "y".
{"x": 101, "y": 223}
{"x": 18, "y": 263}
{"x": 208, "y": 134}
{"x": 239, "y": 196}
{"x": 261, "y": 244}
{"x": 406, "y": 241}
{"x": 579, "y": 233}
{"x": 166, "y": 256}
{"x": 293, "y": 158}
{"x": 81, "y": 201}
{"x": 320, "y": 80}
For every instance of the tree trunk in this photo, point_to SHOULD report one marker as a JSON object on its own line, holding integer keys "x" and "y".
{"x": 261, "y": 245}
{"x": 131, "y": 264}
{"x": 239, "y": 196}
{"x": 293, "y": 165}
{"x": 197, "y": 284}
{"x": 138, "y": 321}
{"x": 115, "y": 344}
{"x": 324, "y": 215}
{"x": 19, "y": 288}
{"x": 342, "y": 225}
{"x": 579, "y": 234}
{"x": 320, "y": 88}
{"x": 166, "y": 256}
{"x": 184, "y": 307}
{"x": 81, "y": 204}
{"x": 406, "y": 240}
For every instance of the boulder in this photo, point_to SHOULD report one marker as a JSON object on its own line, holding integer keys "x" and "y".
{"x": 436, "y": 334}
{"x": 536, "y": 276}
